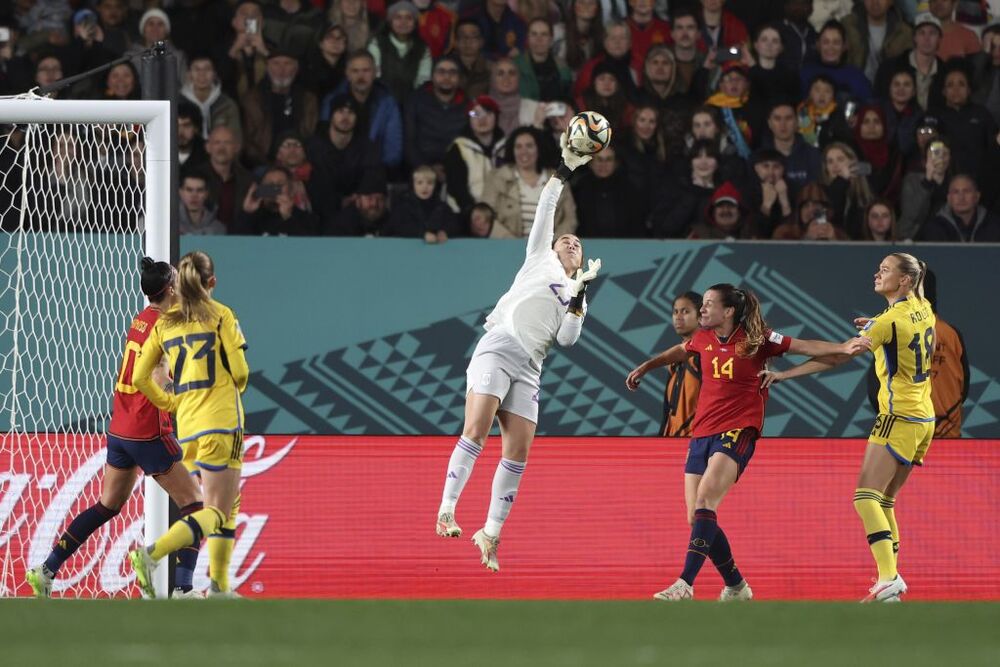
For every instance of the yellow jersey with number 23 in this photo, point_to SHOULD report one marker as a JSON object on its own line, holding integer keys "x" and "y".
{"x": 903, "y": 343}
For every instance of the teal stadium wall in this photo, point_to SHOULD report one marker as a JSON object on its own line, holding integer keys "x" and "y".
{"x": 372, "y": 336}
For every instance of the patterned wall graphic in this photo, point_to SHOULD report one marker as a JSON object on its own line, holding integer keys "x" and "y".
{"x": 403, "y": 372}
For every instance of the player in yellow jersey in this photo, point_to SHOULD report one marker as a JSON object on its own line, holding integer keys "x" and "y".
{"x": 902, "y": 339}
{"x": 205, "y": 347}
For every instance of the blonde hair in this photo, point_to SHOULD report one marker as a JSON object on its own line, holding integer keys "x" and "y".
{"x": 915, "y": 268}
{"x": 194, "y": 303}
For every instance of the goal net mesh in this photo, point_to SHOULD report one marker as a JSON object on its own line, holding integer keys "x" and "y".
{"x": 72, "y": 200}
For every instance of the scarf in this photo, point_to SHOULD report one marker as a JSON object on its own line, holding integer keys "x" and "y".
{"x": 876, "y": 151}
{"x": 810, "y": 118}
{"x": 510, "y": 110}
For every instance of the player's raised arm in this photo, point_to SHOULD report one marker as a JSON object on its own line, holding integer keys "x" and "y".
{"x": 142, "y": 375}
{"x": 672, "y": 355}
{"x": 820, "y": 348}
{"x": 543, "y": 228}
{"x": 814, "y": 365}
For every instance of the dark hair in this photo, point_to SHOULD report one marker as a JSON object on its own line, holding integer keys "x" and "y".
{"x": 547, "y": 22}
{"x": 825, "y": 79}
{"x": 155, "y": 278}
{"x": 683, "y": 10}
{"x": 966, "y": 175}
{"x": 196, "y": 174}
{"x": 781, "y": 102}
{"x": 707, "y": 146}
{"x": 543, "y": 154}
{"x": 866, "y": 230}
{"x": 834, "y": 24}
{"x": 747, "y": 314}
{"x": 768, "y": 26}
{"x": 188, "y": 109}
{"x": 467, "y": 22}
{"x": 575, "y": 55}
{"x": 691, "y": 296}
{"x": 360, "y": 53}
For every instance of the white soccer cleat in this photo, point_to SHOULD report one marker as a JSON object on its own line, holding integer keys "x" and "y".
{"x": 216, "y": 593}
{"x": 40, "y": 581}
{"x": 446, "y": 526}
{"x": 887, "y": 591}
{"x": 736, "y": 593}
{"x": 192, "y": 594}
{"x": 679, "y": 590}
{"x": 488, "y": 549}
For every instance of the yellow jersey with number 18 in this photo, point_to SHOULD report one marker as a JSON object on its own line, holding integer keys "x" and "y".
{"x": 209, "y": 370}
{"x": 903, "y": 342}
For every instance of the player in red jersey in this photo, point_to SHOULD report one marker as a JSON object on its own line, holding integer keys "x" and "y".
{"x": 734, "y": 344}
{"x": 139, "y": 435}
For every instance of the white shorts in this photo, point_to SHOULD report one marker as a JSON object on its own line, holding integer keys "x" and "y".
{"x": 500, "y": 367}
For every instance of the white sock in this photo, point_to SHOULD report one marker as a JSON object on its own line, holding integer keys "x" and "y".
{"x": 459, "y": 469}
{"x": 505, "y": 483}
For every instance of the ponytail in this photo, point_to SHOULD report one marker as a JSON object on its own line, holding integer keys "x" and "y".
{"x": 918, "y": 289}
{"x": 194, "y": 302}
{"x": 747, "y": 314}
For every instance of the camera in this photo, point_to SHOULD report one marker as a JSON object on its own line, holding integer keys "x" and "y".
{"x": 268, "y": 191}
{"x": 727, "y": 55}
{"x": 4, "y": 35}
{"x": 820, "y": 217}
{"x": 250, "y": 25}
{"x": 936, "y": 149}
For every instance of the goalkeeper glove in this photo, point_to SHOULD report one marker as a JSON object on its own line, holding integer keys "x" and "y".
{"x": 570, "y": 160}
{"x": 578, "y": 285}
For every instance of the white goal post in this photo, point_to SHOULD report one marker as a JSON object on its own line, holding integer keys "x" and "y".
{"x": 30, "y": 253}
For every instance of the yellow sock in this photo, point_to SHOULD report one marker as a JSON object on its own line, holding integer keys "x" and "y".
{"x": 220, "y": 549}
{"x": 868, "y": 503}
{"x": 888, "y": 508}
{"x": 187, "y": 531}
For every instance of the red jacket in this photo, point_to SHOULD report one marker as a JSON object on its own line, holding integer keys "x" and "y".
{"x": 657, "y": 31}
{"x": 436, "y": 25}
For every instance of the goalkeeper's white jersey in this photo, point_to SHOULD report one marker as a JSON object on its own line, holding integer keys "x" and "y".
{"x": 532, "y": 310}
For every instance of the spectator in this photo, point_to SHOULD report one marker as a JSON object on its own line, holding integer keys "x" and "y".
{"x": 42, "y": 23}
{"x": 873, "y": 144}
{"x": 154, "y": 26}
{"x": 365, "y": 215}
{"x": 846, "y": 188}
{"x": 820, "y": 121}
{"x": 680, "y": 205}
{"x": 324, "y": 62}
{"x": 606, "y": 202}
{"x": 49, "y": 69}
{"x": 770, "y": 78}
{"x": 204, "y": 91}
{"x": 435, "y": 115}
{"x": 740, "y": 114}
{"x": 475, "y": 79}
{"x": 949, "y": 369}
{"x": 345, "y": 160}
{"x": 247, "y": 62}
{"x": 503, "y": 31}
{"x": 725, "y": 217}
{"x": 902, "y": 115}
{"x": 606, "y": 96}
{"x": 434, "y": 26}
{"x": 986, "y": 72}
{"x": 802, "y": 160}
{"x": 276, "y": 105}
{"x": 515, "y": 111}
{"x": 121, "y": 82}
{"x": 378, "y": 113}
{"x": 770, "y": 199}
{"x": 228, "y": 180}
{"x": 418, "y": 212}
{"x": 291, "y": 156}
{"x": 269, "y": 209}
{"x": 473, "y": 155}
{"x": 291, "y": 22}
{"x": 513, "y": 189}
{"x": 706, "y": 124}
{"x": 529, "y": 10}
{"x": 618, "y": 55}
{"x": 481, "y": 219}
{"x": 720, "y": 27}
{"x": 797, "y": 34}
{"x": 645, "y": 29}
{"x": 190, "y": 144}
{"x": 831, "y": 61}
{"x": 690, "y": 59}
{"x": 584, "y": 34}
{"x": 926, "y": 191}
{"x": 540, "y": 77}
{"x": 194, "y": 215}
{"x": 660, "y": 85}
{"x": 402, "y": 60}
{"x": 875, "y": 33}
{"x": 957, "y": 41}
{"x": 353, "y": 16}
{"x": 880, "y": 222}
{"x": 113, "y": 26}
{"x": 642, "y": 151}
{"x": 962, "y": 219}
{"x": 922, "y": 60}
{"x": 86, "y": 49}
{"x": 16, "y": 71}
{"x": 969, "y": 126}
{"x": 813, "y": 219}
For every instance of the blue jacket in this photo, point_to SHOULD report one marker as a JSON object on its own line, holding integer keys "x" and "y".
{"x": 849, "y": 80}
{"x": 385, "y": 127}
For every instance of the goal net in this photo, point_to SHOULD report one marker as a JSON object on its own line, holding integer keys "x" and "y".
{"x": 79, "y": 184}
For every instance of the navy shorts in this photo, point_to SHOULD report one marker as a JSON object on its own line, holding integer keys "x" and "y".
{"x": 738, "y": 444}
{"x": 155, "y": 457}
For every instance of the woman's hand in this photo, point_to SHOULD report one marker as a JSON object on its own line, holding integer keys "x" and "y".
{"x": 635, "y": 377}
{"x": 768, "y": 377}
{"x": 861, "y": 322}
{"x": 856, "y": 345}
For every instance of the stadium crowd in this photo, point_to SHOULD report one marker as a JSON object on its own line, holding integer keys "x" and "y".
{"x": 754, "y": 119}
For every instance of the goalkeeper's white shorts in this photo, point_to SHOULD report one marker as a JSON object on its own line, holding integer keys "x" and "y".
{"x": 500, "y": 367}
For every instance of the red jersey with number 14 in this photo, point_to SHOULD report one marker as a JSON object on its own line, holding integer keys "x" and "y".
{"x": 731, "y": 396}
{"x": 133, "y": 417}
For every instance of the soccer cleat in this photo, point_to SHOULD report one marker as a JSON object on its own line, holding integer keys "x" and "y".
{"x": 679, "y": 590}
{"x": 143, "y": 566}
{"x": 887, "y": 591}
{"x": 488, "y": 549}
{"x": 217, "y": 593}
{"x": 734, "y": 593}
{"x": 40, "y": 581}
{"x": 446, "y": 526}
{"x": 181, "y": 594}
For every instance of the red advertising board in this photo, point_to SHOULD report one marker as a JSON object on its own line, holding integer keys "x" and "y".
{"x": 353, "y": 516}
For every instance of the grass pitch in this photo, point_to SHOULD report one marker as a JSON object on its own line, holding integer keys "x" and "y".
{"x": 486, "y": 633}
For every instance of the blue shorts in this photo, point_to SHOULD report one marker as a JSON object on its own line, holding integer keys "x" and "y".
{"x": 155, "y": 457}
{"x": 738, "y": 444}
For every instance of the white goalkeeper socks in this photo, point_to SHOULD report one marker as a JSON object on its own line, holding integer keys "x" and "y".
{"x": 505, "y": 483}
{"x": 463, "y": 458}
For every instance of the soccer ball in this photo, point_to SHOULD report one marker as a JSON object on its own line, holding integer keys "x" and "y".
{"x": 588, "y": 133}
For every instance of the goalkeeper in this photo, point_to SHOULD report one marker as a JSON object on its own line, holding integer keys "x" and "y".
{"x": 545, "y": 304}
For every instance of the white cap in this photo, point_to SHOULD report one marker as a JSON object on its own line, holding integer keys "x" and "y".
{"x": 925, "y": 18}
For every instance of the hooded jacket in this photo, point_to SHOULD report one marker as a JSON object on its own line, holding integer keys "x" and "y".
{"x": 218, "y": 109}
